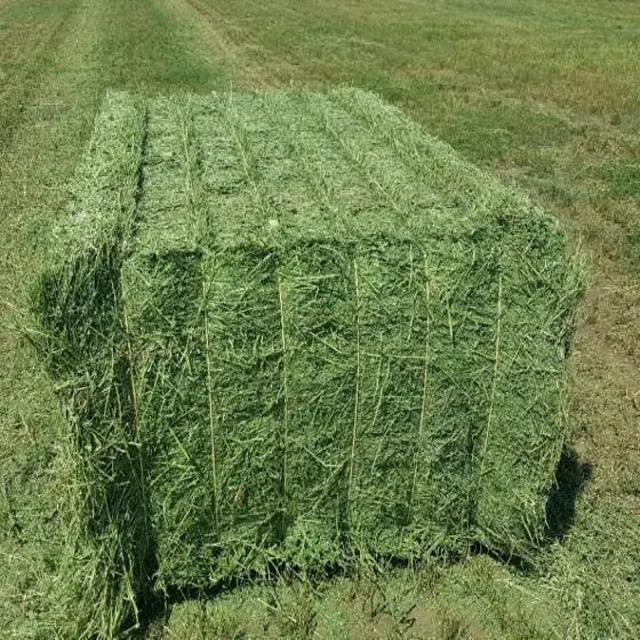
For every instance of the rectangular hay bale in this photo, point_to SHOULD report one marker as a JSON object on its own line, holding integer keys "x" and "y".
{"x": 326, "y": 336}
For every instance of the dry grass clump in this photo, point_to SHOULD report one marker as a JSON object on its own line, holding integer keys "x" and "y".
{"x": 314, "y": 334}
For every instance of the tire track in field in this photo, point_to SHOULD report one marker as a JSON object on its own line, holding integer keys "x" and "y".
{"x": 31, "y": 52}
{"x": 218, "y": 38}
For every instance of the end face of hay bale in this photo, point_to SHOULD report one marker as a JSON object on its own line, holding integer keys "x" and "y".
{"x": 322, "y": 334}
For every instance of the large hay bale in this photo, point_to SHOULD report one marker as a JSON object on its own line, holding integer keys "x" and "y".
{"x": 313, "y": 333}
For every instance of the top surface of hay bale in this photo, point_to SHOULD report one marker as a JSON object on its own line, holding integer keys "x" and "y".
{"x": 295, "y": 327}
{"x": 247, "y": 167}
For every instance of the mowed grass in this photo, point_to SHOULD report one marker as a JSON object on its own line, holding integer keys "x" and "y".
{"x": 544, "y": 93}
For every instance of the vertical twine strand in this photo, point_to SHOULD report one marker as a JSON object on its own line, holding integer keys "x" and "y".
{"x": 356, "y": 411}
{"x": 210, "y": 398}
{"x": 425, "y": 389}
{"x": 285, "y": 382}
{"x": 494, "y": 383}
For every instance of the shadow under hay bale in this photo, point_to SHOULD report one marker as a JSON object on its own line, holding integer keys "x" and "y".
{"x": 292, "y": 330}
{"x": 571, "y": 476}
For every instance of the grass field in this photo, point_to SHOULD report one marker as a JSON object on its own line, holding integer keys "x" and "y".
{"x": 543, "y": 93}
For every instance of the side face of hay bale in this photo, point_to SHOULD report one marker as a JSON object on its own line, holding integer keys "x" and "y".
{"x": 335, "y": 338}
{"x": 79, "y": 304}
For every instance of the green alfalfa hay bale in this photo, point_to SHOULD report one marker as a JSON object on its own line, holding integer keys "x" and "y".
{"x": 467, "y": 267}
{"x": 79, "y": 306}
{"x": 498, "y": 238}
{"x": 313, "y": 267}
